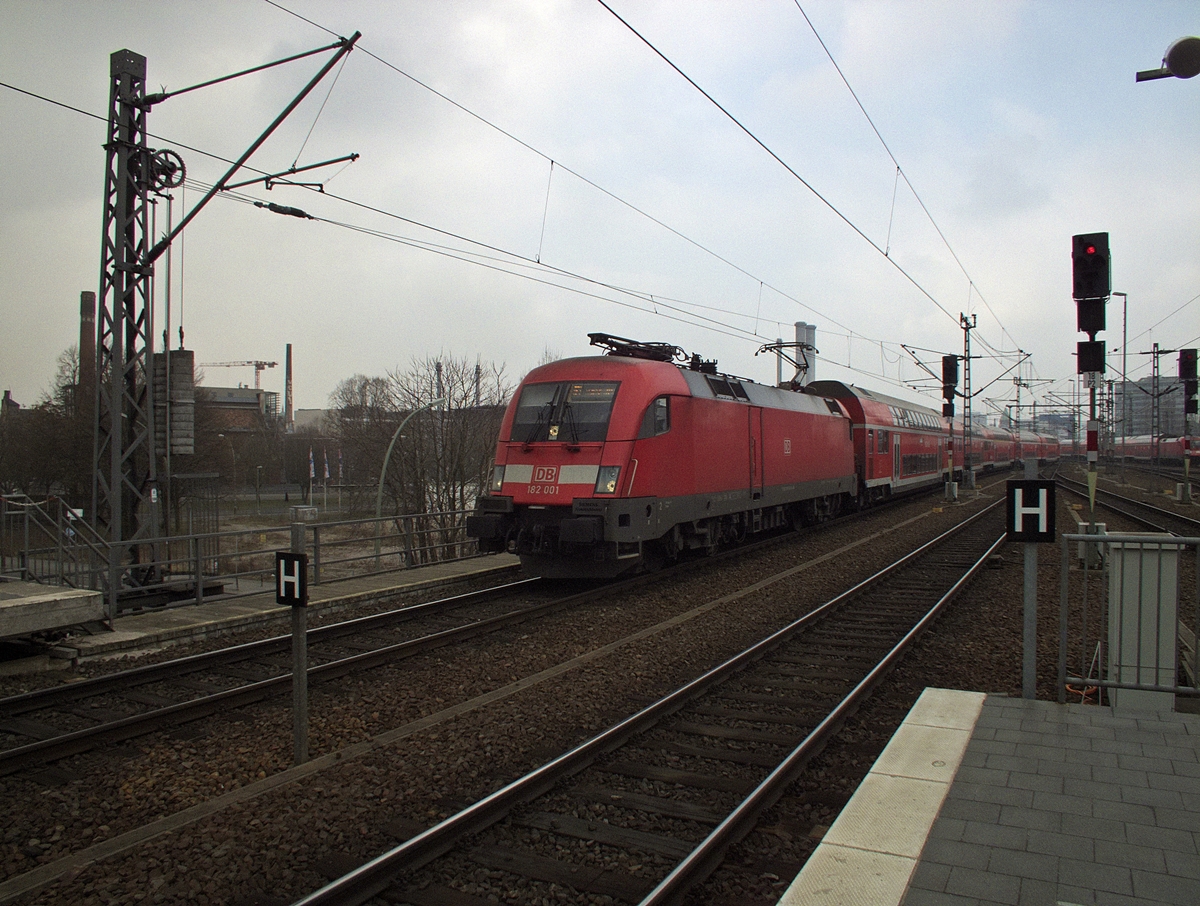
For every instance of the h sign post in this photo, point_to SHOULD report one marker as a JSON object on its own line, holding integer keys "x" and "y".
{"x": 1031, "y": 511}
{"x": 291, "y": 588}
{"x": 1030, "y": 506}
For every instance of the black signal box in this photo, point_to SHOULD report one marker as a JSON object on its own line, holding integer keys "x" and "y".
{"x": 1090, "y": 268}
{"x": 1091, "y": 356}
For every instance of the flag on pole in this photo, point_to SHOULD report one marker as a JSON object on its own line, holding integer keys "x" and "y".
{"x": 312, "y": 472}
{"x": 326, "y": 452}
{"x": 340, "y": 479}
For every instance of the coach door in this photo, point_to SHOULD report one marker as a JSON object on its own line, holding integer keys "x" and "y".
{"x": 895, "y": 457}
{"x": 756, "y": 451}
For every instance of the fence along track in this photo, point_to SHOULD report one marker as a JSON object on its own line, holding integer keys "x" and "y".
{"x": 672, "y": 787}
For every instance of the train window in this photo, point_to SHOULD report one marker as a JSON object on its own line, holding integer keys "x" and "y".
{"x": 657, "y": 419}
{"x": 567, "y": 412}
{"x": 884, "y": 440}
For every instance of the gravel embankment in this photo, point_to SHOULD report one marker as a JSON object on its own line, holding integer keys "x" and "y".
{"x": 276, "y": 844}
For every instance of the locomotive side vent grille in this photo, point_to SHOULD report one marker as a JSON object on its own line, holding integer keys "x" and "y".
{"x": 723, "y": 387}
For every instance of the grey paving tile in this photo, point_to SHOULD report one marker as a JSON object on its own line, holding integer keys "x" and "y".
{"x": 1023, "y": 865}
{"x": 1173, "y": 782}
{"x": 1108, "y": 720}
{"x": 929, "y": 876}
{"x": 1161, "y": 838}
{"x": 970, "y": 811}
{"x": 995, "y": 836}
{"x": 1010, "y": 763}
{"x": 1142, "y": 858}
{"x": 1107, "y": 898}
{"x": 1068, "y": 846}
{"x": 1120, "y": 777}
{"x": 1013, "y": 735}
{"x": 1174, "y": 753}
{"x": 991, "y": 747}
{"x": 1145, "y": 763}
{"x": 985, "y": 776}
{"x": 975, "y": 759}
{"x": 1096, "y": 758}
{"x": 1074, "y": 769}
{"x": 1092, "y": 789}
{"x": 977, "y": 792}
{"x": 968, "y": 882}
{"x": 1041, "y": 752}
{"x": 1155, "y": 798}
{"x": 997, "y": 718}
{"x": 1185, "y": 865}
{"x": 1179, "y": 819}
{"x": 1093, "y": 876}
{"x": 1119, "y": 747}
{"x": 1034, "y": 819}
{"x": 947, "y": 828}
{"x": 1037, "y": 893}
{"x": 1059, "y": 802}
{"x": 1185, "y": 769}
{"x": 1096, "y": 828}
{"x": 933, "y": 898}
{"x": 955, "y": 854}
{"x": 1128, "y": 812}
{"x": 1040, "y": 782}
{"x": 1067, "y": 894}
{"x": 1086, "y": 731}
{"x": 1166, "y": 888}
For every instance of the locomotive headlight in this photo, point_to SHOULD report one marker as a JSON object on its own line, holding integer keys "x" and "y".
{"x": 606, "y": 479}
{"x": 497, "y": 478}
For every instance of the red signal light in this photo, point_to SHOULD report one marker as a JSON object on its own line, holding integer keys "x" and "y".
{"x": 1090, "y": 250}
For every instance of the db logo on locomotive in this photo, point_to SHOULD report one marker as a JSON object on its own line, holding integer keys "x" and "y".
{"x": 545, "y": 475}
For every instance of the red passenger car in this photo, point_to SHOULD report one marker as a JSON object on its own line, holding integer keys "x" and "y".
{"x": 898, "y": 446}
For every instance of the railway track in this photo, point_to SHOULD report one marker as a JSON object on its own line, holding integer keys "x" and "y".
{"x": 1152, "y": 517}
{"x": 645, "y": 811}
{"x": 38, "y": 728}
{"x": 41, "y": 727}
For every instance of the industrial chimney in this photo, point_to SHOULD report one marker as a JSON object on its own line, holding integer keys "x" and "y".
{"x": 289, "y": 425}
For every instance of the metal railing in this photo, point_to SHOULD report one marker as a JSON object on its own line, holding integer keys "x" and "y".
{"x": 46, "y": 542}
{"x": 1127, "y": 626}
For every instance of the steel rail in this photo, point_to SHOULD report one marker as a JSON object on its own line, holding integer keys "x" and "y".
{"x": 706, "y": 857}
{"x": 371, "y": 879}
{"x": 74, "y": 743}
{"x": 122, "y": 680}
{"x": 1128, "y": 508}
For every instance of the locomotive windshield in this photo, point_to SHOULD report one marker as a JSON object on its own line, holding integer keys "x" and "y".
{"x": 567, "y": 412}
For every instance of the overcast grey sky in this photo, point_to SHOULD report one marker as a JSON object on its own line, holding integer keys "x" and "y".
{"x": 1017, "y": 123}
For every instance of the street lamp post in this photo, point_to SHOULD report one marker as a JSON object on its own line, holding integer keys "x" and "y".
{"x": 1181, "y": 61}
{"x": 232, "y": 470}
{"x": 1124, "y": 380}
{"x": 383, "y": 471}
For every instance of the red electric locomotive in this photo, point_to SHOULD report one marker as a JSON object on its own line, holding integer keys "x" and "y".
{"x": 606, "y": 463}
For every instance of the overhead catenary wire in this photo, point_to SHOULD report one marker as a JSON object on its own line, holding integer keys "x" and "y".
{"x": 811, "y": 188}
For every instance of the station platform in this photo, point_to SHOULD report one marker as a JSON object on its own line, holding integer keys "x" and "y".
{"x": 28, "y": 607}
{"x": 984, "y": 799}
{"x": 140, "y": 632}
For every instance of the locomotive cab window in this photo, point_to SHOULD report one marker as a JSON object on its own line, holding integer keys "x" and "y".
{"x": 657, "y": 419}
{"x": 564, "y": 412}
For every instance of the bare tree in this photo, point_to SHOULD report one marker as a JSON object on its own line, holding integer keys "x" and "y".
{"x": 444, "y": 457}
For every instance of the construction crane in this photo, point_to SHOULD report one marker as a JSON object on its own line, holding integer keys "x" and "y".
{"x": 258, "y": 368}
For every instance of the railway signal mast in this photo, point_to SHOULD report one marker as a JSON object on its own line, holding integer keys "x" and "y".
{"x": 1092, "y": 285}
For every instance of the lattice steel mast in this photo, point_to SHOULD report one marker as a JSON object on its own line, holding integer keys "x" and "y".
{"x": 125, "y": 500}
